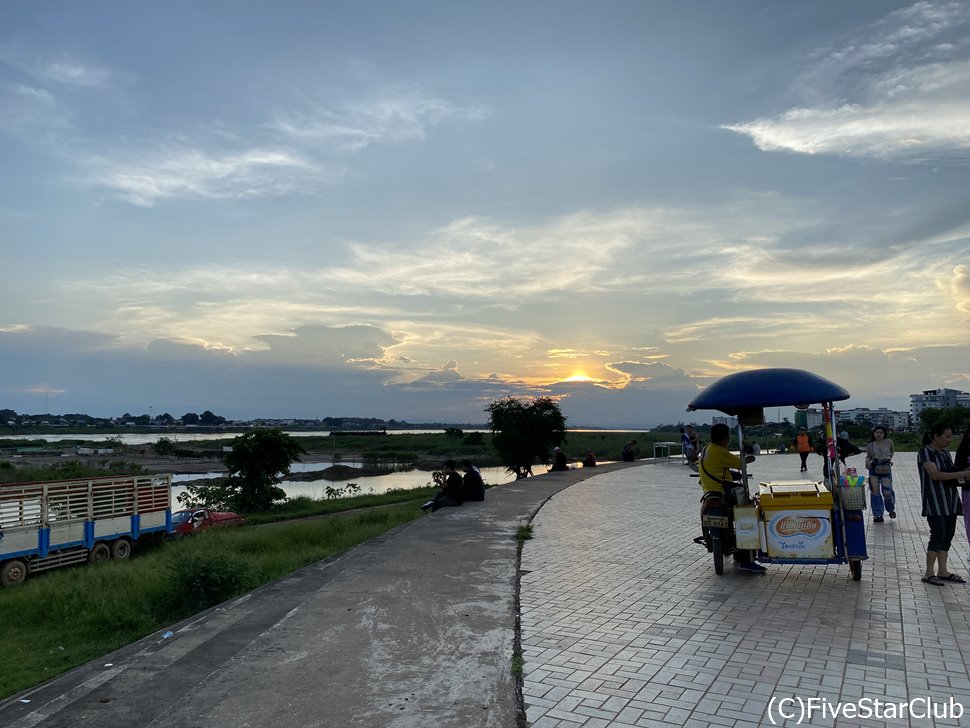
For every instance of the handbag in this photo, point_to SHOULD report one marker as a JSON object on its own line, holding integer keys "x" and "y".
{"x": 882, "y": 467}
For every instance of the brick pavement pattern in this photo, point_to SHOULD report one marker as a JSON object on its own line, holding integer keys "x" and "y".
{"x": 624, "y": 623}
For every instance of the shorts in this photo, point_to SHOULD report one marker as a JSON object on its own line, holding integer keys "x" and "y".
{"x": 942, "y": 529}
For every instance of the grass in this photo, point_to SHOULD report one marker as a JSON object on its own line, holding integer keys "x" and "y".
{"x": 69, "y": 470}
{"x": 62, "y": 619}
{"x": 524, "y": 533}
{"x": 304, "y": 507}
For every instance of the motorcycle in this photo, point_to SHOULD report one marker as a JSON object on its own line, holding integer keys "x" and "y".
{"x": 717, "y": 526}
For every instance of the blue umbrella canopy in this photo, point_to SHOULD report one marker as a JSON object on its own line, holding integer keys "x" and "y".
{"x": 745, "y": 391}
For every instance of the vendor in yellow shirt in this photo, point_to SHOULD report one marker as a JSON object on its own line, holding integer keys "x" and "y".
{"x": 717, "y": 461}
{"x": 716, "y": 464}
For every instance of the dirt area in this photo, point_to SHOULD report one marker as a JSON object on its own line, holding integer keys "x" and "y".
{"x": 176, "y": 466}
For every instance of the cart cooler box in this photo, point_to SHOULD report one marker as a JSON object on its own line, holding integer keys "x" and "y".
{"x": 796, "y": 520}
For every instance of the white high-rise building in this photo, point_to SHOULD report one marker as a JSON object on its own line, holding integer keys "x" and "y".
{"x": 937, "y": 399}
{"x": 888, "y": 418}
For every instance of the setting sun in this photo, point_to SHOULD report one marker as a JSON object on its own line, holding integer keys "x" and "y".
{"x": 579, "y": 376}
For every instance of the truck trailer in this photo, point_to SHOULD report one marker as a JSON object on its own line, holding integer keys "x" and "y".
{"x": 55, "y": 523}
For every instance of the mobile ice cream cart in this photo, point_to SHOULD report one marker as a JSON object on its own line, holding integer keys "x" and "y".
{"x": 786, "y": 522}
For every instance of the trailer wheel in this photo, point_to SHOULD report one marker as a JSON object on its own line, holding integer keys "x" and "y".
{"x": 121, "y": 549}
{"x": 856, "y": 568}
{"x": 99, "y": 553}
{"x": 13, "y": 572}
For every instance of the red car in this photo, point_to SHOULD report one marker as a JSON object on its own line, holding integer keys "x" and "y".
{"x": 185, "y": 523}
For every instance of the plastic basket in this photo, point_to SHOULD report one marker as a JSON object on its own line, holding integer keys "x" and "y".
{"x": 853, "y": 499}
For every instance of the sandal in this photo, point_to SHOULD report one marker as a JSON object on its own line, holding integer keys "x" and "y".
{"x": 955, "y": 578}
{"x": 935, "y": 580}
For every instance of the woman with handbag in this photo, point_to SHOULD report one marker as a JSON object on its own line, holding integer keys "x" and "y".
{"x": 879, "y": 462}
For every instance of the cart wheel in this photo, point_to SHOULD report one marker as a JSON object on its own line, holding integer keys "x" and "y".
{"x": 718, "y": 550}
{"x": 856, "y": 568}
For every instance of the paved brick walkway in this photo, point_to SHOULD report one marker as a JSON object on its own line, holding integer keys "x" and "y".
{"x": 624, "y": 622}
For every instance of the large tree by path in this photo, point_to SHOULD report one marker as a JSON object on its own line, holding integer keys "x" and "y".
{"x": 523, "y": 434}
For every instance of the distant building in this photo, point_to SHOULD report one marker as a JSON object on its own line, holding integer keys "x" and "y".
{"x": 731, "y": 422}
{"x": 810, "y": 419}
{"x": 936, "y": 399}
{"x": 891, "y": 419}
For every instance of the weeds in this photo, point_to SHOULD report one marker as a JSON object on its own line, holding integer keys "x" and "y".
{"x": 524, "y": 533}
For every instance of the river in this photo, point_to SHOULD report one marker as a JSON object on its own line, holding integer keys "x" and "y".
{"x": 368, "y": 483}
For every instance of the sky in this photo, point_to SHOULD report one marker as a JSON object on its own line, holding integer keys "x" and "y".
{"x": 409, "y": 210}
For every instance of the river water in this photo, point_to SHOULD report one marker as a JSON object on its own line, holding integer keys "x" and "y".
{"x": 311, "y": 488}
{"x": 146, "y": 438}
{"x": 368, "y": 484}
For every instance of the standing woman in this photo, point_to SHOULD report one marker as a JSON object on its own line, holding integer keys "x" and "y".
{"x": 941, "y": 501}
{"x": 963, "y": 461}
{"x": 879, "y": 463}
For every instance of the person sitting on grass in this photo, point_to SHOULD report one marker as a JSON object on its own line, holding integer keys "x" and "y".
{"x": 472, "y": 482}
{"x": 589, "y": 460}
{"x": 452, "y": 491}
{"x": 558, "y": 461}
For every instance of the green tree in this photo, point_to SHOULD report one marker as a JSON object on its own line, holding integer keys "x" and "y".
{"x": 190, "y": 418}
{"x": 258, "y": 461}
{"x": 209, "y": 419}
{"x": 164, "y": 447}
{"x": 453, "y": 432}
{"x": 523, "y": 434}
{"x": 956, "y": 417}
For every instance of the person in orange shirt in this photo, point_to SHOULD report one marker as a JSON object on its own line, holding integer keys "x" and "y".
{"x": 803, "y": 443}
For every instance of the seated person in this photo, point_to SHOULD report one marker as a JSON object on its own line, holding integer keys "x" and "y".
{"x": 715, "y": 466}
{"x": 558, "y": 460}
{"x": 452, "y": 491}
{"x": 589, "y": 460}
{"x": 472, "y": 482}
{"x": 626, "y": 454}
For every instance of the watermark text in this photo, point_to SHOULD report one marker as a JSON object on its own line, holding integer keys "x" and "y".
{"x": 804, "y": 710}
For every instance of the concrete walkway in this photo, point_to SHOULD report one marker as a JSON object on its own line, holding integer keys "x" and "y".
{"x": 623, "y": 623}
{"x": 415, "y": 628}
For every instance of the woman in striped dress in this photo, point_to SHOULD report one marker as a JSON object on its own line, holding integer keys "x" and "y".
{"x": 941, "y": 502}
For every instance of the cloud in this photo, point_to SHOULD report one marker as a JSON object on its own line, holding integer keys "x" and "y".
{"x": 72, "y": 73}
{"x": 913, "y": 131}
{"x": 897, "y": 91}
{"x": 447, "y": 374}
{"x": 958, "y": 286}
{"x": 389, "y": 117}
{"x": 307, "y": 158}
{"x": 56, "y": 69}
{"x": 190, "y": 173}
{"x": 510, "y": 297}
{"x": 29, "y": 111}
{"x": 328, "y": 345}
